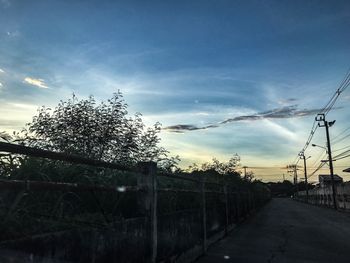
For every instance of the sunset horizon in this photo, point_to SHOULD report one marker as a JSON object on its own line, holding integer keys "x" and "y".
{"x": 224, "y": 78}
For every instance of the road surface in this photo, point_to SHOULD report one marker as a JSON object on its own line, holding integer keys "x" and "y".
{"x": 287, "y": 231}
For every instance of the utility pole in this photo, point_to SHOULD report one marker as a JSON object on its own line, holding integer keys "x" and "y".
{"x": 296, "y": 179}
{"x": 292, "y": 168}
{"x": 283, "y": 178}
{"x": 245, "y": 171}
{"x": 302, "y": 156}
{"x": 323, "y": 123}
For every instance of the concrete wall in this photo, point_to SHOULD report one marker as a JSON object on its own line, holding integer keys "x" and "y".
{"x": 179, "y": 233}
{"x": 148, "y": 222}
{"x": 323, "y": 196}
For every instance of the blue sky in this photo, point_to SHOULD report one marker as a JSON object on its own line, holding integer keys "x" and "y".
{"x": 193, "y": 63}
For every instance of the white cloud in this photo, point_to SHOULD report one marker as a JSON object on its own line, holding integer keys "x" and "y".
{"x": 14, "y": 115}
{"x": 280, "y": 130}
{"x": 40, "y": 83}
{"x": 14, "y": 34}
{"x": 23, "y": 106}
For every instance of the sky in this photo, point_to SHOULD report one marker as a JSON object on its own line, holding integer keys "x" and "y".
{"x": 223, "y": 77}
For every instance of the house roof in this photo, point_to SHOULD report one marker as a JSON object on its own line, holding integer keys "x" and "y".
{"x": 327, "y": 177}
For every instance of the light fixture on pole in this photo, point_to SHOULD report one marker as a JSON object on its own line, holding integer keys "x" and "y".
{"x": 320, "y": 118}
{"x": 315, "y": 145}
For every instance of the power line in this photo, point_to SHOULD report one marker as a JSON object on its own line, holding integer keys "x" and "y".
{"x": 320, "y": 157}
{"x": 341, "y": 133}
{"x": 318, "y": 168}
{"x": 335, "y": 158}
{"x": 337, "y": 150}
{"x": 342, "y": 157}
{"x": 341, "y": 139}
{"x": 325, "y": 110}
{"x": 341, "y": 154}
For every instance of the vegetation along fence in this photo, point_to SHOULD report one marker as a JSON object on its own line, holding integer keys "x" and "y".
{"x": 56, "y": 207}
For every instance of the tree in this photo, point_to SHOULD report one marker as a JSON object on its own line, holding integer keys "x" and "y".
{"x": 100, "y": 131}
{"x": 8, "y": 162}
{"x": 226, "y": 168}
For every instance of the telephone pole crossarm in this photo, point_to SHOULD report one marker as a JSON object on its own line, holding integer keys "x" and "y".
{"x": 323, "y": 123}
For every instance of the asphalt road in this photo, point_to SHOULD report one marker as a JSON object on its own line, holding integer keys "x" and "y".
{"x": 287, "y": 231}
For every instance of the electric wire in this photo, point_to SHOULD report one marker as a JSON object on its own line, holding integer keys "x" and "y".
{"x": 346, "y": 156}
{"x": 337, "y": 150}
{"x": 325, "y": 110}
{"x": 320, "y": 157}
{"x": 341, "y": 154}
{"x": 341, "y": 133}
{"x": 341, "y": 139}
{"x": 317, "y": 169}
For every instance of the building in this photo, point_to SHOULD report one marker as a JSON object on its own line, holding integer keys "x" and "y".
{"x": 325, "y": 180}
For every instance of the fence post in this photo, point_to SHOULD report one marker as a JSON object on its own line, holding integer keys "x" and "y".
{"x": 253, "y": 200}
{"x": 203, "y": 214}
{"x": 226, "y": 209}
{"x": 245, "y": 204}
{"x": 250, "y": 201}
{"x": 148, "y": 179}
{"x": 238, "y": 206}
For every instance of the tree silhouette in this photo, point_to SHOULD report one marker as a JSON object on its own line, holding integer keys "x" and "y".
{"x": 101, "y": 131}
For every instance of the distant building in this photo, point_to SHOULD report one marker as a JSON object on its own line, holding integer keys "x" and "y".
{"x": 325, "y": 180}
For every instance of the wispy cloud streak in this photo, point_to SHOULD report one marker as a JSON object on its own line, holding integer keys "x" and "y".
{"x": 180, "y": 128}
{"x": 40, "y": 83}
{"x": 278, "y": 113}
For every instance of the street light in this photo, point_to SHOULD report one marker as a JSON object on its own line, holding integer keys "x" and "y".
{"x": 315, "y": 145}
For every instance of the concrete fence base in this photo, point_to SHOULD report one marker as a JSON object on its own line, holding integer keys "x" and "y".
{"x": 323, "y": 196}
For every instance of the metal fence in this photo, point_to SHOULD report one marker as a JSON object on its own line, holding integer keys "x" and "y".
{"x": 159, "y": 217}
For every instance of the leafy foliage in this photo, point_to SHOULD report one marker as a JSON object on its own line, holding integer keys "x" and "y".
{"x": 99, "y": 131}
{"x": 217, "y": 168}
{"x": 223, "y": 168}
